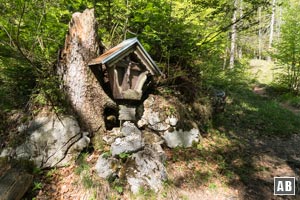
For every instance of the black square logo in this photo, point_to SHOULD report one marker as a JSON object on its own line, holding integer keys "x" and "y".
{"x": 284, "y": 186}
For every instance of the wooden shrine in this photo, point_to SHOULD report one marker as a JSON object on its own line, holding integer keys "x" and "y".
{"x": 128, "y": 66}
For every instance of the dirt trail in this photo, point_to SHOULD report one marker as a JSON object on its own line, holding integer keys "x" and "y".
{"x": 261, "y": 91}
{"x": 276, "y": 156}
{"x": 290, "y": 108}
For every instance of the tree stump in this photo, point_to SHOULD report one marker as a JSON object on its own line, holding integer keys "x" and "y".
{"x": 83, "y": 89}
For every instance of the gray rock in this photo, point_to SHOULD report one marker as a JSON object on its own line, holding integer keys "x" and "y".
{"x": 146, "y": 170}
{"x": 132, "y": 141}
{"x": 172, "y": 120}
{"x": 128, "y": 128}
{"x": 181, "y": 138}
{"x": 153, "y": 121}
{"x": 52, "y": 141}
{"x": 80, "y": 144}
{"x": 155, "y": 116}
{"x": 128, "y": 144}
{"x": 135, "y": 184}
{"x": 6, "y": 152}
{"x": 112, "y": 135}
{"x": 160, "y": 154}
{"x": 106, "y": 167}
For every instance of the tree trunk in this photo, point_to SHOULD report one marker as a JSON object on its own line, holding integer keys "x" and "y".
{"x": 272, "y": 26}
{"x": 279, "y": 22}
{"x": 241, "y": 12}
{"x": 259, "y": 34}
{"x": 233, "y": 36}
{"x": 126, "y": 21}
{"x": 225, "y": 54}
{"x": 83, "y": 90}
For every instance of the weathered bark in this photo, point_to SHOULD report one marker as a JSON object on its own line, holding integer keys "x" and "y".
{"x": 84, "y": 91}
{"x": 14, "y": 184}
{"x": 233, "y": 36}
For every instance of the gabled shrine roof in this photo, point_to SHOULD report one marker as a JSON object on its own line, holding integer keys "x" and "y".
{"x": 123, "y": 49}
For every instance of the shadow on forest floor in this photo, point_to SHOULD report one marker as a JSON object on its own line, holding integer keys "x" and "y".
{"x": 269, "y": 134}
{"x": 253, "y": 141}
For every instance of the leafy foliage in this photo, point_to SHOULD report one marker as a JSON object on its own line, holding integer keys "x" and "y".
{"x": 31, "y": 34}
{"x": 176, "y": 33}
{"x": 246, "y": 111}
{"x": 188, "y": 38}
{"x": 288, "y": 48}
{"x": 16, "y": 78}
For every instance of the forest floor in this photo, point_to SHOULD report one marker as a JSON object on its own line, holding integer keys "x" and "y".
{"x": 256, "y": 139}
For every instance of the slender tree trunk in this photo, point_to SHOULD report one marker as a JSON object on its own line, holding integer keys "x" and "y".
{"x": 168, "y": 35}
{"x": 225, "y": 54}
{"x": 239, "y": 47}
{"x": 233, "y": 36}
{"x": 259, "y": 34}
{"x": 225, "y": 59}
{"x": 109, "y": 16}
{"x": 126, "y": 21}
{"x": 272, "y": 26}
{"x": 240, "y": 53}
{"x": 279, "y": 22}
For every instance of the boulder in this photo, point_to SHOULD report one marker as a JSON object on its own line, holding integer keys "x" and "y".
{"x": 127, "y": 144}
{"x": 51, "y": 141}
{"x": 145, "y": 169}
{"x": 181, "y": 138}
{"x": 131, "y": 142}
{"x": 106, "y": 167}
{"x": 157, "y": 114}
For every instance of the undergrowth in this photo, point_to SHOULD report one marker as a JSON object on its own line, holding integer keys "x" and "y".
{"x": 249, "y": 112}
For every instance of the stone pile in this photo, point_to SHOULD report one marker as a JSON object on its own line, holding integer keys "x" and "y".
{"x": 141, "y": 145}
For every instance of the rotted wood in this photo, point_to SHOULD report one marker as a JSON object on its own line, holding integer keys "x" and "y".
{"x": 14, "y": 184}
{"x": 78, "y": 81}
